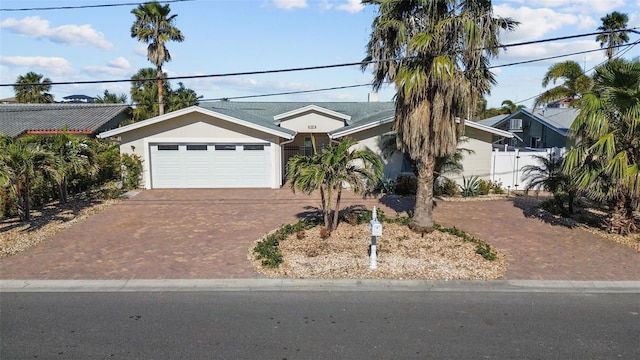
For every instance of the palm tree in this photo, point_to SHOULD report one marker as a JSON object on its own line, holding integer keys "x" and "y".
{"x": 615, "y": 36}
{"x": 548, "y": 175}
{"x": 182, "y": 98}
{"x": 154, "y": 26}
{"x": 144, "y": 93}
{"x": 33, "y": 88}
{"x": 436, "y": 53}
{"x": 20, "y": 162}
{"x": 111, "y": 98}
{"x": 73, "y": 156}
{"x": 332, "y": 168}
{"x": 606, "y": 159}
{"x": 509, "y": 107}
{"x": 575, "y": 83}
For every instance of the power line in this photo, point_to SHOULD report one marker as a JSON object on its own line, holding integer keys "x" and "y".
{"x": 262, "y": 72}
{"x": 555, "y": 57}
{"x": 90, "y": 6}
{"x": 618, "y": 55}
{"x": 306, "y": 68}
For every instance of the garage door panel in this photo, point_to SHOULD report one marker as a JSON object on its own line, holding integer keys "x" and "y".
{"x": 209, "y": 166}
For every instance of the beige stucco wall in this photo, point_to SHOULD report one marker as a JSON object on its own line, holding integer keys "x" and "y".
{"x": 478, "y": 163}
{"x": 312, "y": 122}
{"x": 371, "y": 139}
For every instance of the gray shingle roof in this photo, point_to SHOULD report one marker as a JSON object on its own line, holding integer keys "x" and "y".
{"x": 557, "y": 119}
{"x": 359, "y": 111}
{"x": 492, "y": 121}
{"x": 16, "y": 119}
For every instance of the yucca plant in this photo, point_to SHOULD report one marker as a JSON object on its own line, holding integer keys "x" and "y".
{"x": 470, "y": 187}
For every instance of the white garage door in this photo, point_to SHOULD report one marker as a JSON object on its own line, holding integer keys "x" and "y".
{"x": 210, "y": 165}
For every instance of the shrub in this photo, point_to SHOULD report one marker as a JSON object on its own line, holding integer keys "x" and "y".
{"x": 482, "y": 248}
{"x": 470, "y": 186}
{"x": 496, "y": 187}
{"x": 107, "y": 161}
{"x": 132, "y": 169}
{"x": 406, "y": 185}
{"x": 385, "y": 186}
{"x": 484, "y": 187}
{"x": 268, "y": 249}
{"x": 445, "y": 187}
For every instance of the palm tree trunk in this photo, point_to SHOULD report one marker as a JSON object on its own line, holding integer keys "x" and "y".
{"x": 62, "y": 190}
{"x": 323, "y": 201}
{"x": 326, "y": 208}
{"x": 621, "y": 220}
{"x": 27, "y": 200}
{"x": 422, "y": 221}
{"x": 160, "y": 90}
{"x": 336, "y": 212}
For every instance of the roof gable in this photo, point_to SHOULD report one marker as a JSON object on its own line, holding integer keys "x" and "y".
{"x": 558, "y": 119}
{"x": 311, "y": 108}
{"x": 248, "y": 120}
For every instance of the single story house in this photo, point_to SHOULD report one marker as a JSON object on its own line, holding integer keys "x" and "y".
{"x": 44, "y": 119}
{"x": 541, "y": 128}
{"x": 247, "y": 144}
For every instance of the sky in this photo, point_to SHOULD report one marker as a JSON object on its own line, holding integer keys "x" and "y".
{"x": 232, "y": 36}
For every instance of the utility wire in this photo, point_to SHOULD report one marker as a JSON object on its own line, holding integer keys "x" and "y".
{"x": 618, "y": 55}
{"x": 262, "y": 72}
{"x": 89, "y": 6}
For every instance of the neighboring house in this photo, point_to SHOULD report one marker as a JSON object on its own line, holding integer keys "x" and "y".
{"x": 87, "y": 119}
{"x": 78, "y": 99}
{"x": 544, "y": 128}
{"x": 9, "y": 100}
{"x": 247, "y": 144}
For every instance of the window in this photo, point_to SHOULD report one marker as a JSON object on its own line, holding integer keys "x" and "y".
{"x": 515, "y": 124}
{"x": 535, "y": 142}
{"x": 225, "y": 147}
{"x": 197, "y": 147}
{"x": 167, "y": 147}
{"x": 253, "y": 147}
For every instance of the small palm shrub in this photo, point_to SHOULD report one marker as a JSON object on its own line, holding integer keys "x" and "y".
{"x": 470, "y": 186}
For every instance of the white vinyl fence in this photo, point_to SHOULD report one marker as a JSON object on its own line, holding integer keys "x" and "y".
{"x": 507, "y": 164}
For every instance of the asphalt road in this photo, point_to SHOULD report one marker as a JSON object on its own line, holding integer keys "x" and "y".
{"x": 319, "y": 325}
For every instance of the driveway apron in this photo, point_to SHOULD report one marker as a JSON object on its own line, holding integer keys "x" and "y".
{"x": 206, "y": 234}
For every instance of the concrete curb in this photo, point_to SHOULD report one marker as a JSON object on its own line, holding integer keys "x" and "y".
{"x": 142, "y": 285}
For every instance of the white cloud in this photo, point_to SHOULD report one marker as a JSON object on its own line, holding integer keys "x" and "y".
{"x": 119, "y": 63}
{"x": 351, "y": 6}
{"x": 49, "y": 65}
{"x": 534, "y": 23}
{"x": 290, "y": 4}
{"x": 37, "y": 28}
{"x": 116, "y": 67}
{"x": 600, "y": 7}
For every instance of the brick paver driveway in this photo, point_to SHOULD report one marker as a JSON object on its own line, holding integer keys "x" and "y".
{"x": 205, "y": 234}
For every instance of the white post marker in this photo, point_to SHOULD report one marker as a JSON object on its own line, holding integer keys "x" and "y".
{"x": 376, "y": 230}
